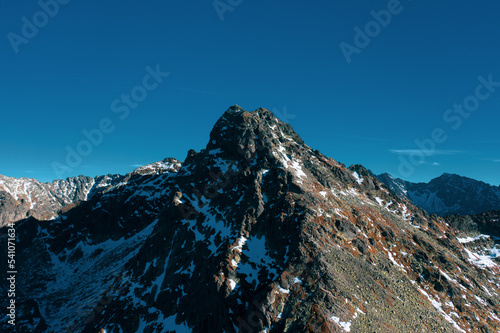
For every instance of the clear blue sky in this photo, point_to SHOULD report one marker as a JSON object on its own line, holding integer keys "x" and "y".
{"x": 281, "y": 55}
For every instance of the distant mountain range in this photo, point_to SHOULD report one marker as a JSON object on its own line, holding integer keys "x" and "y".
{"x": 258, "y": 232}
{"x": 26, "y": 197}
{"x": 447, "y": 195}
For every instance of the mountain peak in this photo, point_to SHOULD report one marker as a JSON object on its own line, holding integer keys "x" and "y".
{"x": 168, "y": 164}
{"x": 241, "y": 132}
{"x": 449, "y": 175}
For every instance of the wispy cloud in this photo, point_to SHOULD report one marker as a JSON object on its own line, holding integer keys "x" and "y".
{"x": 429, "y": 163}
{"x": 136, "y": 165}
{"x": 428, "y": 153}
{"x": 496, "y": 161}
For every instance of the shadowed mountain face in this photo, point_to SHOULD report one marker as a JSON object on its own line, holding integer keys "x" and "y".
{"x": 256, "y": 233}
{"x": 448, "y": 194}
{"x": 484, "y": 223}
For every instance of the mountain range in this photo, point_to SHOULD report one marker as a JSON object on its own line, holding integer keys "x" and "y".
{"x": 447, "y": 195}
{"x": 258, "y": 232}
{"x": 25, "y": 197}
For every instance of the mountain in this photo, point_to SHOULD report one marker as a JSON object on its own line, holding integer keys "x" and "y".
{"x": 24, "y": 197}
{"x": 257, "y": 232}
{"x": 448, "y": 194}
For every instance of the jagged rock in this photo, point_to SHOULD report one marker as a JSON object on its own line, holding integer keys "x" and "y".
{"x": 484, "y": 223}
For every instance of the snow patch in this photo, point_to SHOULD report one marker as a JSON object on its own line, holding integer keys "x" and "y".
{"x": 346, "y": 325}
{"x": 472, "y": 239}
{"x": 357, "y": 177}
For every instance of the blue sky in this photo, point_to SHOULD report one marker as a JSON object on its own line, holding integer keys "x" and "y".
{"x": 422, "y": 58}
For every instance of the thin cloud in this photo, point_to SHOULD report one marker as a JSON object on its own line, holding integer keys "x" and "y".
{"x": 430, "y": 163}
{"x": 426, "y": 152}
{"x": 496, "y": 161}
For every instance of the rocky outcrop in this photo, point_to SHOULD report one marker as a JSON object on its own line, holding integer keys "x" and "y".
{"x": 255, "y": 233}
{"x": 484, "y": 223}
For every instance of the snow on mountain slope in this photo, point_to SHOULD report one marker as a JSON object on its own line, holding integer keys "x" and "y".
{"x": 256, "y": 233}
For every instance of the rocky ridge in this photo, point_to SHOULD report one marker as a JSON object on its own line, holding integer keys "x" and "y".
{"x": 24, "y": 197}
{"x": 447, "y": 195}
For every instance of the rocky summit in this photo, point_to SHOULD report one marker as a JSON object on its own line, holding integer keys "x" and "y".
{"x": 257, "y": 232}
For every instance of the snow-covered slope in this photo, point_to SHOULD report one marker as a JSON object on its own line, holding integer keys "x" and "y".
{"x": 447, "y": 194}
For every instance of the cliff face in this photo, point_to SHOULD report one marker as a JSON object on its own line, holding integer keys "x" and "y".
{"x": 256, "y": 233}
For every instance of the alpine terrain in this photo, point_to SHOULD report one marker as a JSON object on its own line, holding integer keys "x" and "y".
{"x": 21, "y": 198}
{"x": 447, "y": 194}
{"x": 257, "y": 232}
